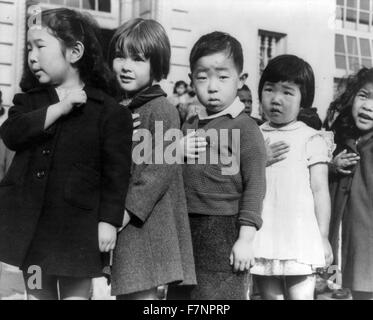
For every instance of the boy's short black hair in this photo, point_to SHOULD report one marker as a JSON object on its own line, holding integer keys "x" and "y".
{"x": 293, "y": 69}
{"x": 215, "y": 42}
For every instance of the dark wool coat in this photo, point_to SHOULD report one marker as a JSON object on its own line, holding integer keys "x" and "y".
{"x": 352, "y": 207}
{"x": 156, "y": 247}
{"x": 63, "y": 181}
{"x": 6, "y": 157}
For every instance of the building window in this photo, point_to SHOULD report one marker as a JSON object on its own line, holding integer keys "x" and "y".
{"x": 355, "y": 14}
{"x": 143, "y": 9}
{"x": 352, "y": 53}
{"x": 94, "y": 5}
{"x": 106, "y": 12}
{"x": 271, "y": 44}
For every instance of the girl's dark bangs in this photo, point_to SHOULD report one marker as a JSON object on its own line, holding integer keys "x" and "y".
{"x": 285, "y": 75}
{"x": 131, "y": 44}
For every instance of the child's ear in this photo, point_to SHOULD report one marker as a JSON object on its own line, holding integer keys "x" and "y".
{"x": 77, "y": 52}
{"x": 243, "y": 77}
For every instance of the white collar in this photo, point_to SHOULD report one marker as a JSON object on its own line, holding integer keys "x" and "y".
{"x": 290, "y": 127}
{"x": 62, "y": 93}
{"x": 233, "y": 110}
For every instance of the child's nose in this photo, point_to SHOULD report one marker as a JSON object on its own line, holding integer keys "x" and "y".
{"x": 125, "y": 64}
{"x": 368, "y": 105}
{"x": 32, "y": 56}
{"x": 213, "y": 86}
{"x": 276, "y": 98}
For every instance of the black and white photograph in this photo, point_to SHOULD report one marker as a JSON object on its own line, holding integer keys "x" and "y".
{"x": 185, "y": 151}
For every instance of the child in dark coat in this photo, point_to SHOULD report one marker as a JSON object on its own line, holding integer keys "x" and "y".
{"x": 63, "y": 196}
{"x": 352, "y": 184}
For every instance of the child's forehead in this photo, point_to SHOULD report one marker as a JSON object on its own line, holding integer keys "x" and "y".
{"x": 39, "y": 33}
{"x": 244, "y": 93}
{"x": 283, "y": 83}
{"x": 221, "y": 60}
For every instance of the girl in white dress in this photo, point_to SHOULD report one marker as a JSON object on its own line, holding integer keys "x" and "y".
{"x": 293, "y": 241}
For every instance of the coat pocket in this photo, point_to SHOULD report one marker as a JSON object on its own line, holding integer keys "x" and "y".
{"x": 82, "y": 187}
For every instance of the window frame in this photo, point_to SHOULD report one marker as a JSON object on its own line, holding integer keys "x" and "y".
{"x": 280, "y": 46}
{"x": 356, "y": 24}
{"x": 347, "y": 55}
{"x": 113, "y": 14}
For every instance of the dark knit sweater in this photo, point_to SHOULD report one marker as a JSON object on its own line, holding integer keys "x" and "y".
{"x": 209, "y": 191}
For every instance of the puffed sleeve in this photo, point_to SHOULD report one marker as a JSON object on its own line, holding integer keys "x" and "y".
{"x": 320, "y": 147}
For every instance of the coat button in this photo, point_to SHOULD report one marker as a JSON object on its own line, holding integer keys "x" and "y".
{"x": 40, "y": 174}
{"x": 46, "y": 152}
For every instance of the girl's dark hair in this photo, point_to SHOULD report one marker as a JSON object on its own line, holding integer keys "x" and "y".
{"x": 180, "y": 83}
{"x": 293, "y": 69}
{"x": 216, "y": 42}
{"x": 310, "y": 117}
{"x": 143, "y": 38}
{"x": 344, "y": 125}
{"x": 70, "y": 26}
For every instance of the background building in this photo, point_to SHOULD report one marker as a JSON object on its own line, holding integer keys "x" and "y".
{"x": 334, "y": 36}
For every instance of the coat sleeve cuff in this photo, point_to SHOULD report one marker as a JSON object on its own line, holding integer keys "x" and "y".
{"x": 250, "y": 219}
{"x": 37, "y": 120}
{"x": 136, "y": 214}
{"x": 112, "y": 216}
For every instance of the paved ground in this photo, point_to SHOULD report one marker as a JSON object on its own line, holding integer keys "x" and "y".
{"x": 11, "y": 283}
{"x": 12, "y": 286}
